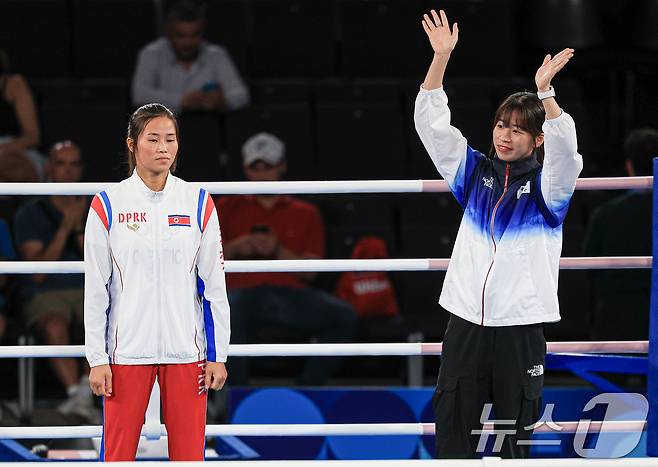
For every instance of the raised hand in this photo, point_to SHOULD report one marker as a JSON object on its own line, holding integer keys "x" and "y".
{"x": 550, "y": 67}
{"x": 437, "y": 28}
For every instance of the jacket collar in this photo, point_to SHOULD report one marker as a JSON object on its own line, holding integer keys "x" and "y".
{"x": 517, "y": 168}
{"x": 139, "y": 184}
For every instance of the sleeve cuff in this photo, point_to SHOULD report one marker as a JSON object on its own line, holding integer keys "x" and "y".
{"x": 559, "y": 119}
{"x": 431, "y": 91}
{"x": 99, "y": 362}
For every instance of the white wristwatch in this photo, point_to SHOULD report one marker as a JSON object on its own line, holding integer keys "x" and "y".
{"x": 546, "y": 94}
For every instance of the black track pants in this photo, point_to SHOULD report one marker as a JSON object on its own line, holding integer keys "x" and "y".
{"x": 502, "y": 366}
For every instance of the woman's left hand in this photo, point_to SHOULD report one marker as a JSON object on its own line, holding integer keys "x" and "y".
{"x": 550, "y": 67}
{"x": 215, "y": 375}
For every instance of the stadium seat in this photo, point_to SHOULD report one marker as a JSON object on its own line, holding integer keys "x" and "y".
{"x": 36, "y": 34}
{"x": 382, "y": 38}
{"x": 108, "y": 34}
{"x": 292, "y": 38}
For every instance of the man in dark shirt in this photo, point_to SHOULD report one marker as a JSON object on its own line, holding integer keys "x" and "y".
{"x": 622, "y": 227}
{"x": 51, "y": 229}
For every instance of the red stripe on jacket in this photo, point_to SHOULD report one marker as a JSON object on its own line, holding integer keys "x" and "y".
{"x": 97, "y": 205}
{"x": 210, "y": 206}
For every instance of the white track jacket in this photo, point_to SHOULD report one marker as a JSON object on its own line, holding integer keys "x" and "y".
{"x": 154, "y": 276}
{"x": 505, "y": 262}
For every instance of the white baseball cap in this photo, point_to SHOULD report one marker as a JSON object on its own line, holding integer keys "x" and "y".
{"x": 263, "y": 147}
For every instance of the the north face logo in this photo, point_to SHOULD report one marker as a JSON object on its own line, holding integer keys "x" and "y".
{"x": 488, "y": 182}
{"x": 536, "y": 370}
{"x": 523, "y": 190}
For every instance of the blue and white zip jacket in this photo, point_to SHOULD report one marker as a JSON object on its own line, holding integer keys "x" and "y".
{"x": 154, "y": 276}
{"x": 505, "y": 262}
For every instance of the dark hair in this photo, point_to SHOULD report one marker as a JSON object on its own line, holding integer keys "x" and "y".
{"x": 640, "y": 146}
{"x": 138, "y": 121}
{"x": 531, "y": 112}
{"x": 186, "y": 10}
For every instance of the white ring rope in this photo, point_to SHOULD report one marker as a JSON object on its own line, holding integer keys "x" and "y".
{"x": 338, "y": 429}
{"x": 484, "y": 462}
{"x": 312, "y": 187}
{"x": 345, "y": 350}
{"x": 334, "y": 265}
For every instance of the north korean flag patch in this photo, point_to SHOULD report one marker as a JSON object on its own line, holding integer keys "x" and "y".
{"x": 177, "y": 220}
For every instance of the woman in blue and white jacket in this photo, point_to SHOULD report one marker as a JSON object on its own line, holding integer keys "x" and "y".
{"x": 501, "y": 285}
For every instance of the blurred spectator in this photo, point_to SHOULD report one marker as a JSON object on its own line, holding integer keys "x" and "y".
{"x": 184, "y": 72}
{"x": 278, "y": 227}
{"x": 622, "y": 227}
{"x": 19, "y": 128}
{"x": 7, "y": 253}
{"x": 52, "y": 229}
{"x": 372, "y": 294}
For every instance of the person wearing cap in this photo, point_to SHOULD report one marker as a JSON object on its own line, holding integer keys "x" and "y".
{"x": 278, "y": 227}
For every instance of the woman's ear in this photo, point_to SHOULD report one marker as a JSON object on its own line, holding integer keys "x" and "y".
{"x": 539, "y": 140}
{"x": 131, "y": 145}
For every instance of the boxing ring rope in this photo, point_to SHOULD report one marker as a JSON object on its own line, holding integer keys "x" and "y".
{"x": 484, "y": 462}
{"x": 334, "y": 265}
{"x": 313, "y": 187}
{"x": 343, "y": 350}
{"x": 300, "y": 429}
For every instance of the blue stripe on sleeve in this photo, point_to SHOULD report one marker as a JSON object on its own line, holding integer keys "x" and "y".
{"x": 463, "y": 178}
{"x": 209, "y": 323}
{"x": 101, "y": 456}
{"x": 202, "y": 197}
{"x": 552, "y": 219}
{"x": 108, "y": 207}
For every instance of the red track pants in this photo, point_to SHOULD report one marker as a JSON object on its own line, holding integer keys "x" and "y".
{"x": 183, "y": 410}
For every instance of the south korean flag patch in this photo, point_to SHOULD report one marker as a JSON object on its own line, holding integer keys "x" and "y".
{"x": 525, "y": 189}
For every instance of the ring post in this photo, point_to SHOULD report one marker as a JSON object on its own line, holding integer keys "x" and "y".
{"x": 652, "y": 384}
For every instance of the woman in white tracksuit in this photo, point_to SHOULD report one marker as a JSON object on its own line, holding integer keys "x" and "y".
{"x": 155, "y": 295}
{"x": 501, "y": 285}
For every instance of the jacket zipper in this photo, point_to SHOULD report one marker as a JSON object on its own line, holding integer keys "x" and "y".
{"x": 156, "y": 265}
{"x": 493, "y": 239}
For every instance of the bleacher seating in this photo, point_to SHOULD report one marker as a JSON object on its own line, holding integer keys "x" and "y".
{"x": 38, "y": 45}
{"x": 93, "y": 114}
{"x": 228, "y": 22}
{"x": 292, "y": 38}
{"x": 381, "y": 38}
{"x": 291, "y": 122}
{"x": 202, "y": 156}
{"x": 359, "y": 125}
{"x": 107, "y": 34}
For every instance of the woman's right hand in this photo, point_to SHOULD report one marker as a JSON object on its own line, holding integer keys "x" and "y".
{"x": 100, "y": 380}
{"x": 443, "y": 41}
